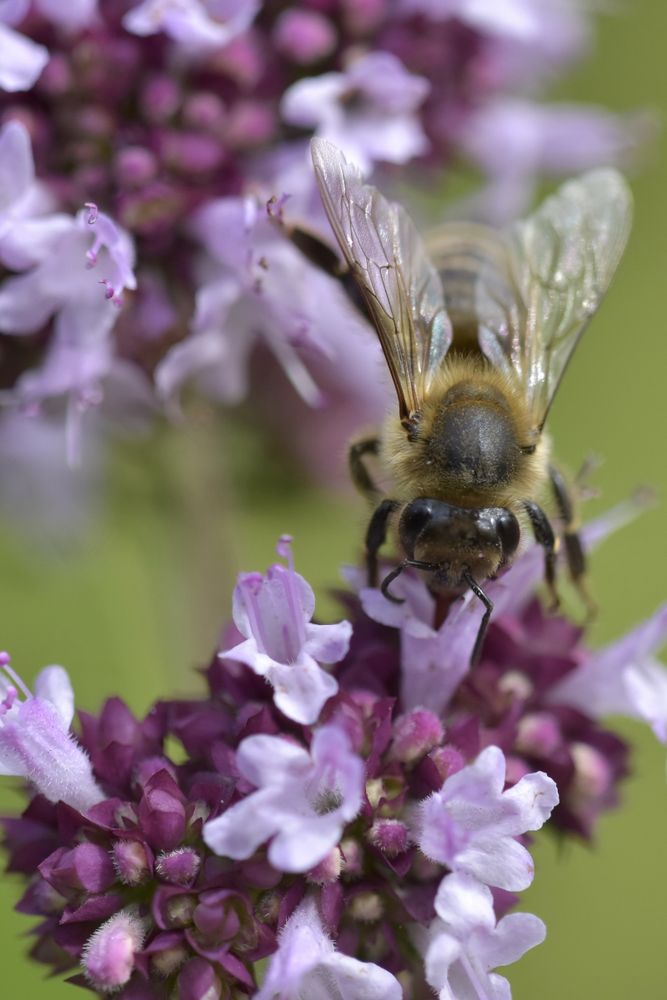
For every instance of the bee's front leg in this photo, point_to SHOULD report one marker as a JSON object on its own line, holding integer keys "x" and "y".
{"x": 376, "y": 535}
{"x": 544, "y": 536}
{"x": 574, "y": 551}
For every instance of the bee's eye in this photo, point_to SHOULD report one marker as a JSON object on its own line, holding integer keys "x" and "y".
{"x": 509, "y": 533}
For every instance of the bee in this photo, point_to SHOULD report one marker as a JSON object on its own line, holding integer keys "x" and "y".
{"x": 477, "y": 327}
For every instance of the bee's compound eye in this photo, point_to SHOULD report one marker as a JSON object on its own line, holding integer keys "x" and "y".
{"x": 509, "y": 532}
{"x": 415, "y": 517}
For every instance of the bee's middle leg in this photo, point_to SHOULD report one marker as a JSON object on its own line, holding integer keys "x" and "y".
{"x": 544, "y": 536}
{"x": 573, "y": 549}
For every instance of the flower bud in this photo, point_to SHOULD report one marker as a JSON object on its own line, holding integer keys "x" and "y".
{"x": 179, "y": 867}
{"x": 108, "y": 955}
{"x": 328, "y": 870}
{"x": 415, "y": 734}
{"x": 538, "y": 735}
{"x": 304, "y": 35}
{"x": 389, "y": 836}
{"x": 130, "y": 859}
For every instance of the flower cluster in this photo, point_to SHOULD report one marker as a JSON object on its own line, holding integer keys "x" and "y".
{"x": 180, "y": 119}
{"x": 346, "y": 813}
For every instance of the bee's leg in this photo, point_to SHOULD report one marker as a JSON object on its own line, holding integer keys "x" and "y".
{"x": 544, "y": 536}
{"x": 574, "y": 551}
{"x": 320, "y": 255}
{"x": 360, "y": 475}
{"x": 375, "y": 537}
{"x": 484, "y": 624}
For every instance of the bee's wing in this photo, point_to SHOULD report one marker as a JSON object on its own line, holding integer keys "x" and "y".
{"x": 389, "y": 262}
{"x": 563, "y": 258}
{"x": 524, "y": 297}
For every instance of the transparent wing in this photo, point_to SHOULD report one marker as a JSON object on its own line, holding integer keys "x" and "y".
{"x": 482, "y": 301}
{"x": 524, "y": 297}
{"x": 388, "y": 260}
{"x": 563, "y": 258}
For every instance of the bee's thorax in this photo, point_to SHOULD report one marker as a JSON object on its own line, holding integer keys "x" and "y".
{"x": 473, "y": 437}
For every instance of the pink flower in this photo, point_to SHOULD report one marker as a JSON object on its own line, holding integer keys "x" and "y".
{"x": 624, "y": 678}
{"x": 22, "y": 59}
{"x": 35, "y": 742}
{"x": 302, "y": 803}
{"x": 307, "y": 965}
{"x": 370, "y": 112}
{"x": 471, "y": 824}
{"x": 464, "y": 943}
{"x": 274, "y": 614}
{"x": 198, "y": 26}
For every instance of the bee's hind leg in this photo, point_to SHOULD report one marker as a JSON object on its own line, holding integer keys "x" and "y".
{"x": 573, "y": 549}
{"x": 544, "y": 536}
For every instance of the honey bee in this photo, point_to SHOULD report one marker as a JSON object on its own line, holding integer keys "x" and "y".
{"x": 477, "y": 327}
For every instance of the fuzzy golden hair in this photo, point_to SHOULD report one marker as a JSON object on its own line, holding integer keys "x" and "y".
{"x": 465, "y": 381}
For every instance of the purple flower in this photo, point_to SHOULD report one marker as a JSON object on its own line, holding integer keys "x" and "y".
{"x": 35, "y": 742}
{"x": 471, "y": 824}
{"x": 305, "y": 36}
{"x": 514, "y": 140}
{"x": 522, "y": 20}
{"x": 369, "y": 112}
{"x": 464, "y": 943}
{"x": 303, "y": 800}
{"x": 307, "y": 965}
{"x": 22, "y": 59}
{"x": 28, "y": 226}
{"x": 63, "y": 285}
{"x": 257, "y": 287}
{"x": 434, "y": 661}
{"x": 625, "y": 678}
{"x": 197, "y": 25}
{"x": 274, "y": 614}
{"x": 70, "y": 17}
{"x": 185, "y": 112}
{"x": 372, "y": 831}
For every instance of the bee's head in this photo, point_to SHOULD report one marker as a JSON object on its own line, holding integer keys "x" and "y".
{"x": 451, "y": 541}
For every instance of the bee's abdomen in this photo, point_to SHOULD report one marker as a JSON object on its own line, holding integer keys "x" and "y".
{"x": 473, "y": 438}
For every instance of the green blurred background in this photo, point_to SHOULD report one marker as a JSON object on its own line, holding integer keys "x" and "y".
{"x": 137, "y": 601}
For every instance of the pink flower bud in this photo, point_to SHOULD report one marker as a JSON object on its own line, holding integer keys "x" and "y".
{"x": 328, "y": 870}
{"x": 304, "y": 35}
{"x": 179, "y": 867}
{"x": 108, "y": 955}
{"x": 389, "y": 836}
{"x": 131, "y": 861}
{"x": 415, "y": 734}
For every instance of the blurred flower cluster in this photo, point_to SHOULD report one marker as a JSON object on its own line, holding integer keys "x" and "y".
{"x": 141, "y": 141}
{"x": 345, "y": 813}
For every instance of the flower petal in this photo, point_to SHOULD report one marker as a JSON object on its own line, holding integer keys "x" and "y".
{"x": 22, "y": 60}
{"x": 243, "y": 827}
{"x": 265, "y": 760}
{"x": 53, "y": 684}
{"x": 301, "y": 689}
{"x": 464, "y": 904}
{"x": 498, "y": 861}
{"x": 513, "y": 937}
